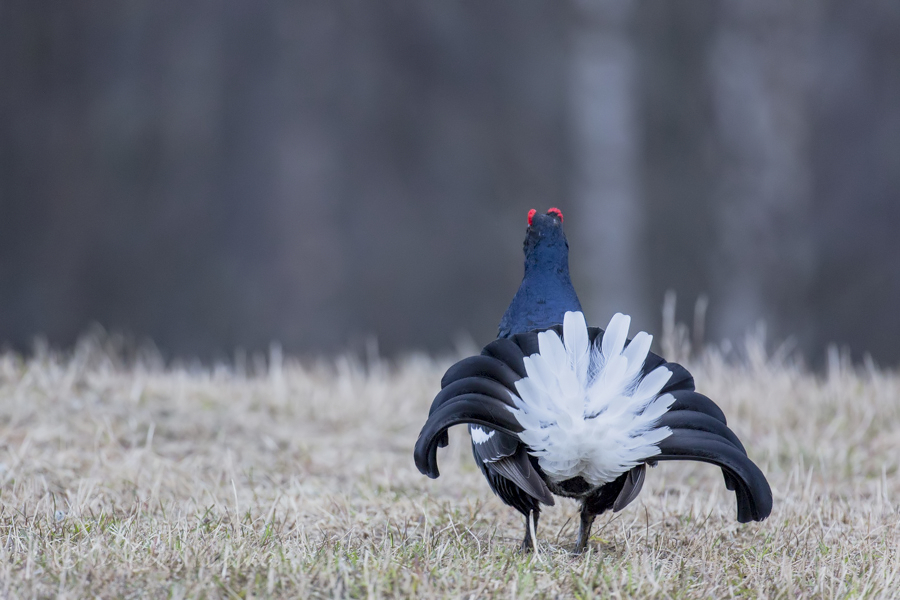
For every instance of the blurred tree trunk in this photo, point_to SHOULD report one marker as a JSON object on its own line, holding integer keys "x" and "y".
{"x": 761, "y": 66}
{"x": 604, "y": 179}
{"x": 678, "y": 160}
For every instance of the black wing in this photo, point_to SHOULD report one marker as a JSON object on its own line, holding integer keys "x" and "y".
{"x": 505, "y": 456}
{"x": 477, "y": 390}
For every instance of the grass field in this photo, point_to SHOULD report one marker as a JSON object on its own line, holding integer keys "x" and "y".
{"x": 126, "y": 479}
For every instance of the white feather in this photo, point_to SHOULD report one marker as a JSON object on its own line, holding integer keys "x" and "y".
{"x": 480, "y": 436}
{"x": 577, "y": 347}
{"x": 585, "y": 409}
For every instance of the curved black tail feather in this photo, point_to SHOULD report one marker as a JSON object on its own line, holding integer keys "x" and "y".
{"x": 688, "y": 399}
{"x": 754, "y": 496}
{"x": 482, "y": 366}
{"x": 483, "y": 374}
{"x": 688, "y": 419}
{"x": 476, "y": 409}
{"x": 508, "y": 352}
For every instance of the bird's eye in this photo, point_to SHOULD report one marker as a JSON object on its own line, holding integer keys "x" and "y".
{"x": 531, "y": 214}
{"x": 552, "y": 211}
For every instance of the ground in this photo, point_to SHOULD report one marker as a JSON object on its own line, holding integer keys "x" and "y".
{"x": 279, "y": 478}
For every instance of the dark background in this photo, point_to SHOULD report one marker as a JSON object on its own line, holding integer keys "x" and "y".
{"x": 220, "y": 174}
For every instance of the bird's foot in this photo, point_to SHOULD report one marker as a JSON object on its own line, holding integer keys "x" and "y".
{"x": 584, "y": 532}
{"x": 527, "y": 546}
{"x": 580, "y": 546}
{"x": 528, "y": 543}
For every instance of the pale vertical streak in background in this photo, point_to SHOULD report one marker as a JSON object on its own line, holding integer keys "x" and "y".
{"x": 604, "y": 181}
{"x": 761, "y": 77}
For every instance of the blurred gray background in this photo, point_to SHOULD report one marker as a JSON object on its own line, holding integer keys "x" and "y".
{"x": 213, "y": 175}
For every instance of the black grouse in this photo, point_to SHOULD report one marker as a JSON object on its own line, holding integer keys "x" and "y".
{"x": 557, "y": 407}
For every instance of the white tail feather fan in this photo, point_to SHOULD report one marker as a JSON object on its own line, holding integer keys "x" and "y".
{"x": 586, "y": 411}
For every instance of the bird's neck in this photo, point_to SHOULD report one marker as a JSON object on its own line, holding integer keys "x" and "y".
{"x": 543, "y": 298}
{"x": 549, "y": 267}
{"x": 551, "y": 288}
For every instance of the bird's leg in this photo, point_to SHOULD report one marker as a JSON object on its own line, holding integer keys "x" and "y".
{"x": 584, "y": 532}
{"x": 531, "y": 521}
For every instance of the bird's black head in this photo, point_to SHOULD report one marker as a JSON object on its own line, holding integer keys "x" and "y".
{"x": 545, "y": 242}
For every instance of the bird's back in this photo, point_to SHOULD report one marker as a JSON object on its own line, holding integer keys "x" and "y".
{"x": 539, "y": 303}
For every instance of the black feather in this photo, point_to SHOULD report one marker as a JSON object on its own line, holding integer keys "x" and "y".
{"x": 509, "y": 492}
{"x": 509, "y": 353}
{"x": 466, "y": 408}
{"x": 681, "y": 379}
{"x": 467, "y": 385}
{"x": 518, "y": 469}
{"x": 687, "y": 419}
{"x": 688, "y": 399}
{"x": 752, "y": 491}
{"x": 482, "y": 366}
{"x": 497, "y": 445}
{"x": 471, "y": 385}
{"x": 634, "y": 481}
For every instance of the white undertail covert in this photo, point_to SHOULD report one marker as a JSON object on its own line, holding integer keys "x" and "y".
{"x": 585, "y": 409}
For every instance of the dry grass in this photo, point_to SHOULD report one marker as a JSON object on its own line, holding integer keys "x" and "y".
{"x": 137, "y": 481}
